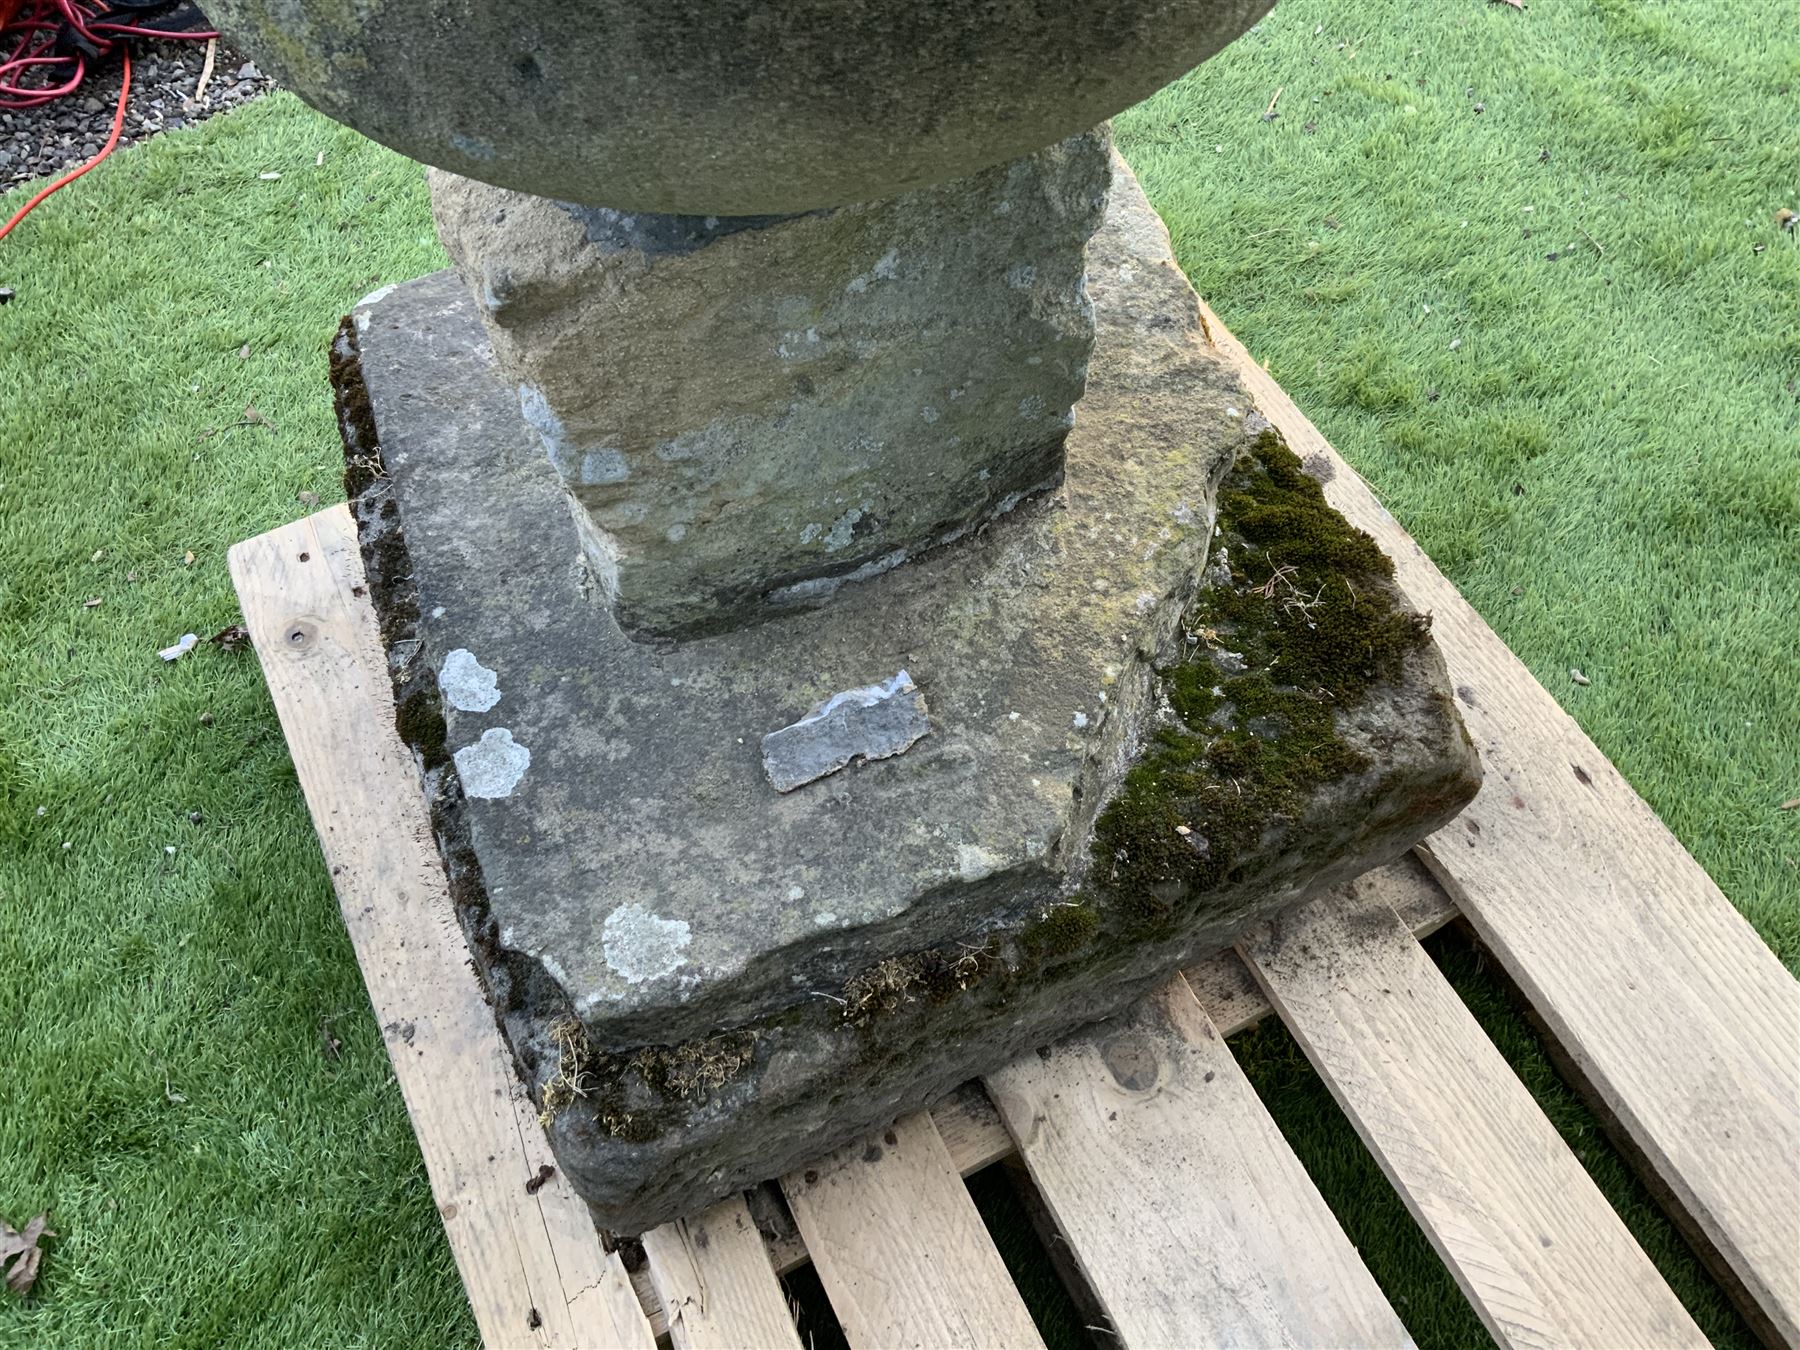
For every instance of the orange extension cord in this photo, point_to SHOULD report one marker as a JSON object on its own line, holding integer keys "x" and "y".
{"x": 112, "y": 141}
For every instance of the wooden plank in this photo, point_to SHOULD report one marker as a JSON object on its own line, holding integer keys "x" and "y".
{"x": 1663, "y": 997}
{"x": 1191, "y": 1219}
{"x": 532, "y": 1264}
{"x": 1229, "y": 992}
{"x": 900, "y": 1249}
{"x": 1534, "y": 1245}
{"x": 712, "y": 1275}
{"x": 971, "y": 1131}
{"x": 967, "y": 1124}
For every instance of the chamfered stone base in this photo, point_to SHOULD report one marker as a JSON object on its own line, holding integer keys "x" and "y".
{"x": 708, "y": 980}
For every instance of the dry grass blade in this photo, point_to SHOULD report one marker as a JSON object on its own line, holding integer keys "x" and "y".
{"x": 212, "y": 51}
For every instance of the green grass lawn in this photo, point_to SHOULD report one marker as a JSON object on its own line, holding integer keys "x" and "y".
{"x": 1602, "y": 449}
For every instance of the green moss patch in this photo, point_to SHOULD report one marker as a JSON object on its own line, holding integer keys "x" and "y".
{"x": 1061, "y": 930}
{"x": 1301, "y": 619}
{"x": 420, "y": 720}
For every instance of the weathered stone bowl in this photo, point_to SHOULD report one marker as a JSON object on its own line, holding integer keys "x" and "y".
{"x": 726, "y": 107}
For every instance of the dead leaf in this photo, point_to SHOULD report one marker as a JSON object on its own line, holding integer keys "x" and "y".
{"x": 187, "y": 559}
{"x": 253, "y": 418}
{"x": 92, "y": 604}
{"x": 99, "y": 553}
{"x": 20, "y": 1253}
{"x": 544, "y": 1173}
{"x": 308, "y": 499}
{"x": 1787, "y": 219}
{"x": 1790, "y": 804}
{"x": 231, "y": 638}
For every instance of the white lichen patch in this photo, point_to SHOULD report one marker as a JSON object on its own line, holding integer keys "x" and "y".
{"x": 599, "y": 467}
{"x": 843, "y": 529}
{"x": 493, "y": 766}
{"x": 361, "y": 309}
{"x": 643, "y": 946}
{"x": 475, "y": 147}
{"x": 973, "y": 862}
{"x": 376, "y": 296}
{"x": 886, "y": 268}
{"x": 468, "y": 685}
{"x": 542, "y": 418}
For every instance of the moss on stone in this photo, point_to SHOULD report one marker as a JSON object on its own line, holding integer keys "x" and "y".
{"x": 936, "y": 975}
{"x": 1061, "y": 930}
{"x": 420, "y": 721}
{"x": 695, "y": 1068}
{"x": 1306, "y": 622}
{"x": 635, "y": 1095}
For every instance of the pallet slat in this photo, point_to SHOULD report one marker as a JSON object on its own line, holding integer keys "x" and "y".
{"x": 713, "y": 1277}
{"x": 1535, "y": 1247}
{"x": 1229, "y": 992}
{"x": 1191, "y": 1219}
{"x": 900, "y": 1248}
{"x": 1663, "y": 997}
{"x": 532, "y": 1264}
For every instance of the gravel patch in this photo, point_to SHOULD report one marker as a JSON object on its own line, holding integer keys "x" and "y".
{"x": 42, "y": 141}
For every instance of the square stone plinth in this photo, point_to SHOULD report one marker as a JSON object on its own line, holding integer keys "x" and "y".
{"x": 1060, "y": 776}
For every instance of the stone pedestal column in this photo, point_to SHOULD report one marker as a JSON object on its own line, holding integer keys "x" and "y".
{"x": 747, "y": 411}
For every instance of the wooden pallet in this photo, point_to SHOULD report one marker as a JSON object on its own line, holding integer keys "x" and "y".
{"x": 1189, "y": 1219}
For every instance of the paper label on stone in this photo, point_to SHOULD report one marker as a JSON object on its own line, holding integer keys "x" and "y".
{"x": 871, "y": 722}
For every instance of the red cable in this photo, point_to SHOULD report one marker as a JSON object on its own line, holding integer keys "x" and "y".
{"x": 33, "y": 28}
{"x": 118, "y": 125}
{"x": 37, "y": 26}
